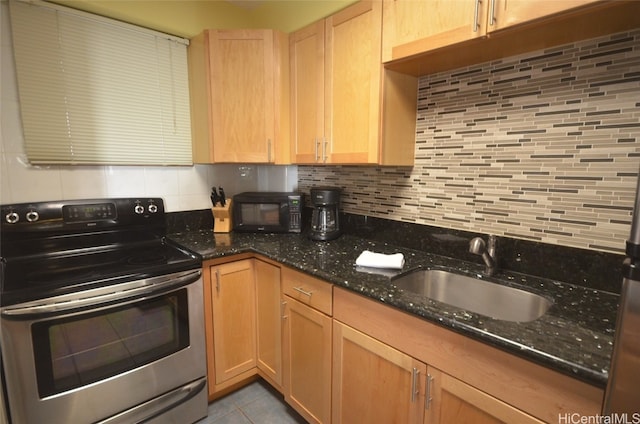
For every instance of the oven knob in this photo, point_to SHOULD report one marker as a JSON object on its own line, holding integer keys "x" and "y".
{"x": 32, "y": 216}
{"x": 153, "y": 208}
{"x": 12, "y": 217}
{"x": 139, "y": 209}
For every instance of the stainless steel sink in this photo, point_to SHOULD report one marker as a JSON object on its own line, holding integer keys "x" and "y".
{"x": 475, "y": 295}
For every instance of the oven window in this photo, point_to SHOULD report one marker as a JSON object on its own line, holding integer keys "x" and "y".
{"x": 260, "y": 213}
{"x": 74, "y": 351}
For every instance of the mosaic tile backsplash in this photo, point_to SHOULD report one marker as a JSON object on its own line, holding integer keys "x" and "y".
{"x": 543, "y": 147}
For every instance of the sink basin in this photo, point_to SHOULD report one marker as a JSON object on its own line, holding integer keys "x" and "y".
{"x": 475, "y": 295}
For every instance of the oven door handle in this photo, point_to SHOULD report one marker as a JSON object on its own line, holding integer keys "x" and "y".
{"x": 155, "y": 407}
{"x": 103, "y": 296}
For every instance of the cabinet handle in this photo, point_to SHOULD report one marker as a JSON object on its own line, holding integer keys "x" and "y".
{"x": 218, "y": 280}
{"x": 428, "y": 398}
{"x": 414, "y": 384}
{"x": 269, "y": 150}
{"x": 317, "y": 143}
{"x": 476, "y": 17}
{"x": 282, "y": 306}
{"x": 324, "y": 149}
{"x": 303, "y": 291}
{"x": 492, "y": 13}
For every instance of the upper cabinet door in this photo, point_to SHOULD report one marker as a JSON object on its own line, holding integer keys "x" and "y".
{"x": 411, "y": 26}
{"x": 506, "y": 13}
{"x": 306, "y": 50}
{"x": 242, "y": 75}
{"x": 243, "y": 114}
{"x": 344, "y": 110}
{"x": 352, "y": 84}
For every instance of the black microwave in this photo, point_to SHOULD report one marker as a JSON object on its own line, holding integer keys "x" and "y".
{"x": 268, "y": 212}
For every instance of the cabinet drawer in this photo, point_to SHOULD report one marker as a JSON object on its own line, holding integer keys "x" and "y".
{"x": 308, "y": 290}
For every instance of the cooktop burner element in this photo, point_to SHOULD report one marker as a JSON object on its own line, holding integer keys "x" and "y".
{"x": 75, "y": 245}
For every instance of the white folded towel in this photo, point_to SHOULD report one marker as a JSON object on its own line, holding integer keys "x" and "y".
{"x": 380, "y": 260}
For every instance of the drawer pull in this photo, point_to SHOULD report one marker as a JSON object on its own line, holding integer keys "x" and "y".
{"x": 303, "y": 291}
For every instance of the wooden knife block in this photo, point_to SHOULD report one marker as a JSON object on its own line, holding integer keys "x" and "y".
{"x": 222, "y": 218}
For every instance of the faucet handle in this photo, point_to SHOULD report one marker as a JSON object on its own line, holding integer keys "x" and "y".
{"x": 477, "y": 245}
{"x": 491, "y": 246}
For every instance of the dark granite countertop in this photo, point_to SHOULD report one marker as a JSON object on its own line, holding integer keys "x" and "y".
{"x": 574, "y": 337}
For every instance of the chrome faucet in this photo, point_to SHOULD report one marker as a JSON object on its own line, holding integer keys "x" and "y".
{"x": 477, "y": 246}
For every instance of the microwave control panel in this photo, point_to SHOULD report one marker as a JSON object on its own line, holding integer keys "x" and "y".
{"x": 295, "y": 213}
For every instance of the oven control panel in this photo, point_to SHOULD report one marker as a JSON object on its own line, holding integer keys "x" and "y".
{"x": 90, "y": 213}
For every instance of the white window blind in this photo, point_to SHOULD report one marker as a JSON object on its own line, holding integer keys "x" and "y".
{"x": 98, "y": 91}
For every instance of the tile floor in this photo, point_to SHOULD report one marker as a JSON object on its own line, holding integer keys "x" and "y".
{"x": 257, "y": 403}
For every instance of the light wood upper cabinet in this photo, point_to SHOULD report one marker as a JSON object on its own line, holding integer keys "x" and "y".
{"x": 423, "y": 37}
{"x": 339, "y": 102}
{"x": 352, "y": 84}
{"x": 238, "y": 83}
{"x": 306, "y": 48}
{"x": 506, "y": 13}
{"x": 268, "y": 325}
{"x": 410, "y": 25}
{"x": 234, "y": 319}
{"x": 374, "y": 383}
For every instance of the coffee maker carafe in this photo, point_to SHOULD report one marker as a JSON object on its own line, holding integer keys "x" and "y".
{"x": 325, "y": 223}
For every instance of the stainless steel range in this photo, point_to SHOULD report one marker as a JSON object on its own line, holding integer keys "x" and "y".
{"x": 101, "y": 316}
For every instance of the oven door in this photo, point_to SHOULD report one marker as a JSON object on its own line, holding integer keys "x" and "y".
{"x": 125, "y": 353}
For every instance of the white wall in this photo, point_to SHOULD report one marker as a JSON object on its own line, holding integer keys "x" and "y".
{"x": 182, "y": 188}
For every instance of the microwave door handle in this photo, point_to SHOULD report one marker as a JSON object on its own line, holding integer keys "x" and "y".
{"x": 103, "y": 296}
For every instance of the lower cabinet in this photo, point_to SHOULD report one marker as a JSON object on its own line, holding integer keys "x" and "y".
{"x": 307, "y": 352}
{"x": 268, "y": 325}
{"x": 341, "y": 357}
{"x": 449, "y": 400}
{"x": 374, "y": 383}
{"x": 242, "y": 323}
{"x": 234, "y": 319}
{"x": 378, "y": 350}
{"x": 307, "y": 345}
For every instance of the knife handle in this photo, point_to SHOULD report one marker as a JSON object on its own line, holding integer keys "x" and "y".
{"x": 223, "y": 198}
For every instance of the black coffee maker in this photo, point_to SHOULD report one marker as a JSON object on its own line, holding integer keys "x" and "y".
{"x": 325, "y": 223}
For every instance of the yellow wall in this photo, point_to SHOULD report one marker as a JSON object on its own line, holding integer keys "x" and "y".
{"x": 186, "y": 18}
{"x": 291, "y": 15}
